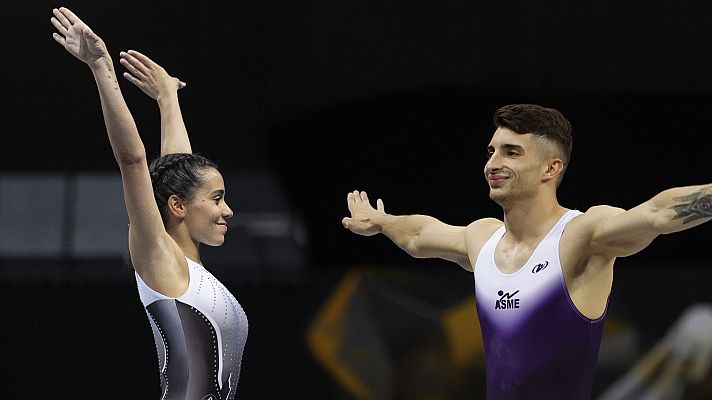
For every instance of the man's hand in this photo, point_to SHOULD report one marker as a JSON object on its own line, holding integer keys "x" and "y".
{"x": 363, "y": 215}
{"x": 148, "y": 76}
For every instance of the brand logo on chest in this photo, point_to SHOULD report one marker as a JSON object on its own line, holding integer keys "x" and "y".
{"x": 539, "y": 267}
{"x": 506, "y": 301}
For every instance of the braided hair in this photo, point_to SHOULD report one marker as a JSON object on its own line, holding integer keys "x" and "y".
{"x": 179, "y": 174}
{"x": 176, "y": 173}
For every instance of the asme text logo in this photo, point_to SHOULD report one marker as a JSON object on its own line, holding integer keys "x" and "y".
{"x": 506, "y": 301}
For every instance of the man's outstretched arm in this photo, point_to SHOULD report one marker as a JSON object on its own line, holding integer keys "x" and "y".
{"x": 420, "y": 236}
{"x": 622, "y": 233}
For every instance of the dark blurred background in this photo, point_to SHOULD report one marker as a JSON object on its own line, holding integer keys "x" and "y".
{"x": 299, "y": 103}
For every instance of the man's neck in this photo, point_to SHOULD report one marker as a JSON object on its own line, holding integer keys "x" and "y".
{"x": 529, "y": 220}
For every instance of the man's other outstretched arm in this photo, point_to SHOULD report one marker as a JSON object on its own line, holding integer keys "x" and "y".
{"x": 619, "y": 233}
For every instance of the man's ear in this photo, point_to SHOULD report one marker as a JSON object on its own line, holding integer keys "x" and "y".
{"x": 176, "y": 206}
{"x": 554, "y": 168}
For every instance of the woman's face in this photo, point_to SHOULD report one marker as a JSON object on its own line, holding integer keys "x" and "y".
{"x": 207, "y": 213}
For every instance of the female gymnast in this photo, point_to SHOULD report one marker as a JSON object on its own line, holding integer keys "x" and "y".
{"x": 174, "y": 206}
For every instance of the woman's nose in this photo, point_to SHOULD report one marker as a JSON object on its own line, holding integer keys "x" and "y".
{"x": 227, "y": 212}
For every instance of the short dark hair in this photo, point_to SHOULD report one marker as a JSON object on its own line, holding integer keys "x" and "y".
{"x": 542, "y": 122}
{"x": 179, "y": 174}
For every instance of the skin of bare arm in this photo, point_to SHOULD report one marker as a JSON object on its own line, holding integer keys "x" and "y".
{"x": 593, "y": 241}
{"x": 153, "y": 80}
{"x": 155, "y": 256}
{"x": 421, "y": 236}
{"x": 624, "y": 233}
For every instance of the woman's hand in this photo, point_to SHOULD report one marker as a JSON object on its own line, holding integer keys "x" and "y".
{"x": 78, "y": 39}
{"x": 148, "y": 76}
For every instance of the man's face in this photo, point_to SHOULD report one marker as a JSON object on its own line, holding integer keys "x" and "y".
{"x": 514, "y": 166}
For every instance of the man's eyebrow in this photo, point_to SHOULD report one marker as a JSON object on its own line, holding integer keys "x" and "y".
{"x": 508, "y": 147}
{"x": 513, "y": 147}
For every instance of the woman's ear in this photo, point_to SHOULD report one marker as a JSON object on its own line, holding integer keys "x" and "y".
{"x": 176, "y": 206}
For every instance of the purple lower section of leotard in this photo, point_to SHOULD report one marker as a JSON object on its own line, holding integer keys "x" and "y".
{"x": 549, "y": 355}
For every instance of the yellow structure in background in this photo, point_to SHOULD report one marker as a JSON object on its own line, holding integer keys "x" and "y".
{"x": 464, "y": 337}
{"x": 326, "y": 335}
{"x": 362, "y": 339}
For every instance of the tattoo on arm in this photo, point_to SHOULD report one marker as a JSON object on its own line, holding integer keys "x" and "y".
{"x": 695, "y": 205}
{"x": 111, "y": 77}
{"x": 115, "y": 82}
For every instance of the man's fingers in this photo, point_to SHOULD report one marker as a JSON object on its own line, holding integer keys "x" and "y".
{"x": 364, "y": 197}
{"x": 351, "y": 202}
{"x": 358, "y": 198}
{"x": 181, "y": 84}
{"x": 345, "y": 222}
{"x": 379, "y": 205}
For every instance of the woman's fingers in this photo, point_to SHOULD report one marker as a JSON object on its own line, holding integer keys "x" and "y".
{"x": 61, "y": 28}
{"x": 70, "y": 16}
{"x": 136, "y": 67}
{"x": 62, "y": 19}
{"x": 142, "y": 58}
